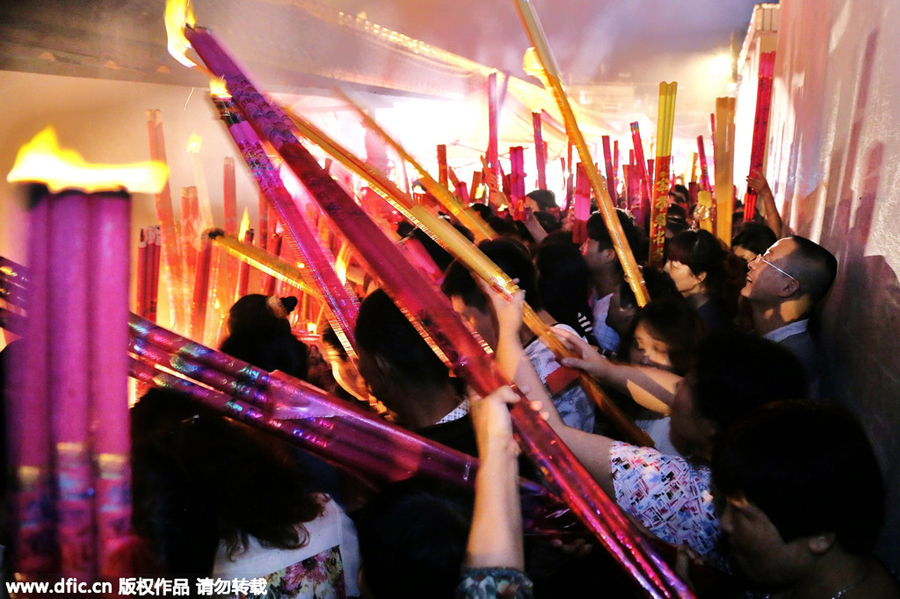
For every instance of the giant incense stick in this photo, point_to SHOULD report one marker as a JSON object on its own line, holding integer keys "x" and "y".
{"x": 610, "y": 170}
{"x": 641, "y": 214}
{"x": 422, "y": 302}
{"x": 660, "y": 200}
{"x": 620, "y": 243}
{"x": 760, "y": 126}
{"x": 342, "y": 303}
{"x": 540, "y": 151}
{"x": 704, "y": 165}
{"x": 724, "y": 161}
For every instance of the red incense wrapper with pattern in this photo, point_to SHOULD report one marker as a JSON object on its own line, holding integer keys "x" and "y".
{"x": 704, "y": 165}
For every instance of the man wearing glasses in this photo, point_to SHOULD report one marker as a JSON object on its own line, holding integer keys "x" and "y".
{"x": 783, "y": 285}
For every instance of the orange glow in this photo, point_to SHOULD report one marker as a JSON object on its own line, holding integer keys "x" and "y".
{"x": 245, "y": 225}
{"x": 531, "y": 64}
{"x": 217, "y": 88}
{"x": 311, "y": 328}
{"x": 179, "y": 13}
{"x": 194, "y": 144}
{"x": 41, "y": 160}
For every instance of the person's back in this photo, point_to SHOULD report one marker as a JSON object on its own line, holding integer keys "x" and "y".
{"x": 804, "y": 502}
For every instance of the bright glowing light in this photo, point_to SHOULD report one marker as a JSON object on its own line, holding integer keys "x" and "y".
{"x": 194, "y": 144}
{"x": 531, "y": 64}
{"x": 245, "y": 225}
{"x": 179, "y": 13}
{"x": 41, "y": 160}
{"x": 217, "y": 88}
{"x": 311, "y": 328}
{"x": 721, "y": 65}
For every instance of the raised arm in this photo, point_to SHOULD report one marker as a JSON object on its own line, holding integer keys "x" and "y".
{"x": 650, "y": 387}
{"x": 766, "y": 202}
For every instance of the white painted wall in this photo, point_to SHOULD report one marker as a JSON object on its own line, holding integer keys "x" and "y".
{"x": 833, "y": 161}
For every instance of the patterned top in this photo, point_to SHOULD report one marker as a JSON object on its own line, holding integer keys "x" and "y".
{"x": 494, "y": 583}
{"x": 574, "y": 407}
{"x": 667, "y": 494}
{"x": 326, "y": 567}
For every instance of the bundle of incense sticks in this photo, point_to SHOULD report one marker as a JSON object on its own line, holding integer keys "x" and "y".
{"x": 610, "y": 170}
{"x": 148, "y": 259}
{"x": 724, "y": 163}
{"x": 342, "y": 303}
{"x": 665, "y": 126}
{"x": 445, "y": 328}
{"x": 170, "y": 229}
{"x": 540, "y": 150}
{"x": 68, "y": 402}
{"x": 479, "y": 264}
{"x": 704, "y": 165}
{"x": 760, "y": 125}
{"x": 331, "y": 428}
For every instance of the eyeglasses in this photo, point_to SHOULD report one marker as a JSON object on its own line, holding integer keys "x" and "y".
{"x": 787, "y": 274}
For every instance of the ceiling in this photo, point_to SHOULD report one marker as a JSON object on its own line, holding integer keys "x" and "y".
{"x": 612, "y": 53}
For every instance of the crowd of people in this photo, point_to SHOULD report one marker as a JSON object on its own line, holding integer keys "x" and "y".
{"x": 760, "y": 484}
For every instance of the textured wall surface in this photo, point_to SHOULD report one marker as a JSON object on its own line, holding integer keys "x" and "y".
{"x": 833, "y": 161}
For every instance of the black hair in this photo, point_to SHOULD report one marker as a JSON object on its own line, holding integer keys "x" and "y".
{"x": 675, "y": 323}
{"x": 659, "y": 286}
{"x": 682, "y": 193}
{"x": 544, "y": 198}
{"x": 512, "y": 257}
{"x": 383, "y": 330}
{"x": 702, "y": 253}
{"x": 201, "y": 478}
{"x": 564, "y": 282}
{"x": 754, "y": 237}
{"x": 412, "y": 539}
{"x": 810, "y": 469}
{"x": 263, "y": 338}
{"x": 813, "y": 265}
{"x": 737, "y": 372}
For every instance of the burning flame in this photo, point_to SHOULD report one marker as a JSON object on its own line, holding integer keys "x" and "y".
{"x": 311, "y": 328}
{"x": 41, "y": 160}
{"x": 217, "y": 88}
{"x": 179, "y": 13}
{"x": 194, "y": 144}
{"x": 531, "y": 64}
{"x": 245, "y": 225}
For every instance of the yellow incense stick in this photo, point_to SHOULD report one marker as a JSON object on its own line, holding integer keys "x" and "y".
{"x": 724, "y": 161}
{"x": 623, "y": 250}
{"x": 264, "y": 261}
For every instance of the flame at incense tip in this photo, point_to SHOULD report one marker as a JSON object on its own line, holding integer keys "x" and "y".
{"x": 194, "y": 144}
{"x": 41, "y": 160}
{"x": 217, "y": 88}
{"x": 245, "y": 225}
{"x": 179, "y": 13}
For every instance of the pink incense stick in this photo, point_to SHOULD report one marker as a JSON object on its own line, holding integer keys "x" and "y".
{"x": 70, "y": 370}
{"x": 422, "y": 302}
{"x": 243, "y": 281}
{"x": 517, "y": 182}
{"x": 760, "y": 125}
{"x": 229, "y": 193}
{"x": 171, "y": 231}
{"x": 201, "y": 290}
{"x": 153, "y": 273}
{"x": 610, "y": 170}
{"x": 582, "y": 205}
{"x": 493, "y": 153}
{"x": 263, "y": 221}
{"x": 108, "y": 335}
{"x": 342, "y": 303}
{"x": 28, "y": 413}
{"x": 443, "y": 172}
{"x": 143, "y": 260}
{"x": 274, "y": 248}
{"x": 540, "y": 150}
{"x": 615, "y": 176}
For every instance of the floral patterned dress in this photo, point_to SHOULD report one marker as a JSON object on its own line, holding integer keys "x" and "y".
{"x": 326, "y": 567}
